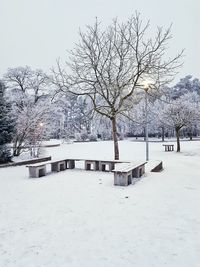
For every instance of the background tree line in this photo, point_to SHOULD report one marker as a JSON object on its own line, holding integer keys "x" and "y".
{"x": 100, "y": 91}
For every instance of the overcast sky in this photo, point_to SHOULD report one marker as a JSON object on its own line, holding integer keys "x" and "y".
{"x": 37, "y": 32}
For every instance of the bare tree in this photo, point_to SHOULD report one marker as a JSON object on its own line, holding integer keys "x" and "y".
{"x": 18, "y": 78}
{"x": 110, "y": 65}
{"x": 38, "y": 84}
{"x": 25, "y": 88}
{"x": 30, "y": 127}
{"x": 24, "y": 81}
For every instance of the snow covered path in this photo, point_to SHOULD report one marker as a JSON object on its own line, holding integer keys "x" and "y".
{"x": 78, "y": 218}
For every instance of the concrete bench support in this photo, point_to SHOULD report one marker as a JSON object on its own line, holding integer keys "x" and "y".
{"x": 123, "y": 178}
{"x": 37, "y": 171}
{"x": 58, "y": 166}
{"x": 158, "y": 167}
{"x": 103, "y": 164}
{"x": 91, "y": 165}
{"x": 70, "y": 164}
{"x": 123, "y": 175}
{"x": 138, "y": 172}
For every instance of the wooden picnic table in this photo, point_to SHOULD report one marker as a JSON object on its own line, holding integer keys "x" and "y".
{"x": 169, "y": 147}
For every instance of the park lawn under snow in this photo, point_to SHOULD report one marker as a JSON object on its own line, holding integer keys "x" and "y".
{"x": 78, "y": 218}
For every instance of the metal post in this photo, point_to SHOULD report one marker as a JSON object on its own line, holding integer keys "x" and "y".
{"x": 146, "y": 125}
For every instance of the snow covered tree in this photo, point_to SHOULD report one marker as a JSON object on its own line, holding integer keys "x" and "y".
{"x": 71, "y": 114}
{"x": 108, "y": 66}
{"x": 28, "y": 90}
{"x": 6, "y": 127}
{"x": 180, "y": 113}
{"x": 30, "y": 127}
{"x": 23, "y": 81}
{"x": 184, "y": 86}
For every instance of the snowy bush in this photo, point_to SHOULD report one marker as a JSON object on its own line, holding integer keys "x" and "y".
{"x": 6, "y": 127}
{"x": 84, "y": 136}
{"x": 81, "y": 136}
{"x": 106, "y": 136}
{"x": 5, "y": 154}
{"x": 93, "y": 137}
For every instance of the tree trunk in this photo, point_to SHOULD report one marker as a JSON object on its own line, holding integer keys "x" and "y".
{"x": 115, "y": 139}
{"x": 163, "y": 133}
{"x": 177, "y": 129}
{"x": 17, "y": 147}
{"x": 190, "y": 134}
{"x": 17, "y": 151}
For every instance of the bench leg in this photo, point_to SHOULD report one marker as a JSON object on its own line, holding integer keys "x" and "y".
{"x": 111, "y": 166}
{"x": 102, "y": 167}
{"x": 87, "y": 166}
{"x": 122, "y": 179}
{"x": 58, "y": 166}
{"x": 62, "y": 166}
{"x": 96, "y": 166}
{"x": 71, "y": 164}
{"x": 54, "y": 167}
{"x": 37, "y": 172}
{"x": 135, "y": 173}
{"x": 42, "y": 172}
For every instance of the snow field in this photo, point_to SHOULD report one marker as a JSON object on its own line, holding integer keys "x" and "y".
{"x": 79, "y": 218}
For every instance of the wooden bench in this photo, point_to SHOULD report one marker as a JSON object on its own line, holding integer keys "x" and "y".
{"x": 123, "y": 173}
{"x": 37, "y": 170}
{"x": 169, "y": 147}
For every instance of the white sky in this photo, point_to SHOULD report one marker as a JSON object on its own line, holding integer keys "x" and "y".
{"x": 37, "y": 32}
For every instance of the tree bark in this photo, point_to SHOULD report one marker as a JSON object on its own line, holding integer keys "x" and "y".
{"x": 190, "y": 134}
{"x": 163, "y": 133}
{"x": 115, "y": 139}
{"x": 17, "y": 151}
{"x": 17, "y": 147}
{"x": 177, "y": 129}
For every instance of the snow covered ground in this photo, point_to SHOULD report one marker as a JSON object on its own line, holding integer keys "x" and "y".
{"x": 79, "y": 218}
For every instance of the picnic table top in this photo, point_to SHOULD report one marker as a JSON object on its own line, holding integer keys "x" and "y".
{"x": 168, "y": 144}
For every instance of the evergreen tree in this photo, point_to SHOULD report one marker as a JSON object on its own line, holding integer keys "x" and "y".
{"x": 6, "y": 127}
